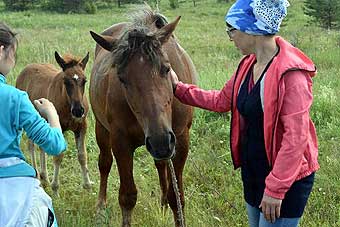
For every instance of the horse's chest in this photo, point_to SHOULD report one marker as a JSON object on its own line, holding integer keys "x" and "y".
{"x": 71, "y": 124}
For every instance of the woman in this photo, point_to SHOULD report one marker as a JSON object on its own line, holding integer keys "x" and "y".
{"x": 22, "y": 201}
{"x": 273, "y": 139}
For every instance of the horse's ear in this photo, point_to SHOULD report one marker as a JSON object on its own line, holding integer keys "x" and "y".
{"x": 85, "y": 60}
{"x": 107, "y": 42}
{"x": 165, "y": 32}
{"x": 60, "y": 60}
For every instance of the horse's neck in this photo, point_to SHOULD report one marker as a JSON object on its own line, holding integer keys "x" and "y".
{"x": 181, "y": 62}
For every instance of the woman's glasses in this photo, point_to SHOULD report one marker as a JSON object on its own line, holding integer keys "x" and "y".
{"x": 229, "y": 31}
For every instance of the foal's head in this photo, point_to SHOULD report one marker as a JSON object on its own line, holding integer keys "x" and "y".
{"x": 74, "y": 82}
{"x": 142, "y": 67}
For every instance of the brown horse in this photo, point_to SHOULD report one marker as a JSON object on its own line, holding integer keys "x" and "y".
{"x": 65, "y": 89}
{"x": 132, "y": 99}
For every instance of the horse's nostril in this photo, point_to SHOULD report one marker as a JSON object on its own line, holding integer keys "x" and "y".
{"x": 148, "y": 144}
{"x": 172, "y": 138}
{"x": 78, "y": 112}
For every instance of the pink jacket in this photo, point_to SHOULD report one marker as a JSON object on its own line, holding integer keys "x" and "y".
{"x": 286, "y": 96}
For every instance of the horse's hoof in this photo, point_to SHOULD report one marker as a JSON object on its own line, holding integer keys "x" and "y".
{"x": 44, "y": 183}
{"x": 55, "y": 188}
{"x": 56, "y": 194}
{"x": 101, "y": 218}
{"x": 88, "y": 185}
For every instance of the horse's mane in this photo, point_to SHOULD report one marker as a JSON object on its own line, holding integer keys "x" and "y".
{"x": 71, "y": 60}
{"x": 139, "y": 37}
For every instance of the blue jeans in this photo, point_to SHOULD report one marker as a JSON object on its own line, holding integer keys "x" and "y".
{"x": 256, "y": 219}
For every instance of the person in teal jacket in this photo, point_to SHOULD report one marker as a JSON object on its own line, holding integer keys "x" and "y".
{"x": 22, "y": 201}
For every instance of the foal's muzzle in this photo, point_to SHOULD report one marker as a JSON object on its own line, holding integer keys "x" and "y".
{"x": 77, "y": 110}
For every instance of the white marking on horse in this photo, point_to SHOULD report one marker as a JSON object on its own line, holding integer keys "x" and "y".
{"x": 76, "y": 77}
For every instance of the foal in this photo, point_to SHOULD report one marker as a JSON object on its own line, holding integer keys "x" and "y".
{"x": 65, "y": 89}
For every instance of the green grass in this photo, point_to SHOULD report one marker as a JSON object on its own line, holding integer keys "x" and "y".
{"x": 213, "y": 189}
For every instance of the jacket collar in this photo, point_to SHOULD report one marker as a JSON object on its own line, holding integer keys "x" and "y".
{"x": 2, "y": 78}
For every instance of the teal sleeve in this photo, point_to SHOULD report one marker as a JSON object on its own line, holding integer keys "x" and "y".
{"x": 51, "y": 140}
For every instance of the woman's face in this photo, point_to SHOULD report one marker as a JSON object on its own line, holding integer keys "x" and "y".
{"x": 7, "y": 58}
{"x": 243, "y": 41}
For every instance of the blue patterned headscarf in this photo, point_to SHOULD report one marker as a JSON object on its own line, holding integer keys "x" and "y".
{"x": 257, "y": 17}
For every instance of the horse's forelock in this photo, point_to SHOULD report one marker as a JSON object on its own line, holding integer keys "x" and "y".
{"x": 71, "y": 60}
{"x": 137, "y": 39}
{"x": 145, "y": 16}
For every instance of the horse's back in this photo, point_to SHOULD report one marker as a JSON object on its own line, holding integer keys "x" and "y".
{"x": 35, "y": 79}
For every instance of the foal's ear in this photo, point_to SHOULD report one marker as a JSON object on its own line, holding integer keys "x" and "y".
{"x": 85, "y": 60}
{"x": 60, "y": 60}
{"x": 107, "y": 42}
{"x": 165, "y": 32}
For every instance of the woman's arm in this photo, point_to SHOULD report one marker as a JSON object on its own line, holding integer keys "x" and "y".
{"x": 295, "y": 119}
{"x": 48, "y": 137}
{"x": 214, "y": 100}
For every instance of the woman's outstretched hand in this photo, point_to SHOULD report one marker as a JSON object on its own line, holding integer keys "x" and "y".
{"x": 174, "y": 79}
{"x": 45, "y": 107}
{"x": 48, "y": 111}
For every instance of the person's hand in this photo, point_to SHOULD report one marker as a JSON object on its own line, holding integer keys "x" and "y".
{"x": 45, "y": 108}
{"x": 48, "y": 111}
{"x": 270, "y": 208}
{"x": 174, "y": 79}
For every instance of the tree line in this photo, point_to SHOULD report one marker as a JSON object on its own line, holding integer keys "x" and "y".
{"x": 324, "y": 13}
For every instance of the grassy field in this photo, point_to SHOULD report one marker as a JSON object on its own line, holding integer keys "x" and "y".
{"x": 213, "y": 189}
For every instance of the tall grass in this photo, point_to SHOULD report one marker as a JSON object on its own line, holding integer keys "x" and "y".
{"x": 213, "y": 189}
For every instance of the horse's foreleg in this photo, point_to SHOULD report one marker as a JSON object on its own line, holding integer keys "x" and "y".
{"x": 56, "y": 165}
{"x": 163, "y": 181}
{"x": 82, "y": 157}
{"x": 182, "y": 147}
{"x": 104, "y": 162}
{"x": 43, "y": 169}
{"x": 31, "y": 150}
{"x": 127, "y": 190}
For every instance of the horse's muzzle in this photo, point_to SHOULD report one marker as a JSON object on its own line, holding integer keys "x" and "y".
{"x": 78, "y": 112}
{"x": 162, "y": 146}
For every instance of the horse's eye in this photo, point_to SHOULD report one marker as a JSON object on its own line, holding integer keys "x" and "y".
{"x": 165, "y": 70}
{"x": 122, "y": 81}
{"x": 83, "y": 82}
{"x": 67, "y": 82}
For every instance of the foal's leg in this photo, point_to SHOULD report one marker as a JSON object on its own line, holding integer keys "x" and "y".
{"x": 31, "y": 150}
{"x": 104, "y": 162}
{"x": 56, "y": 164}
{"x": 127, "y": 191}
{"x": 182, "y": 147}
{"x": 43, "y": 169}
{"x": 82, "y": 155}
{"x": 163, "y": 181}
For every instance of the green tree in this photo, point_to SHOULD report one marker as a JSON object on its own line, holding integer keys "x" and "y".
{"x": 19, "y": 5}
{"x": 75, "y": 6}
{"x": 174, "y": 4}
{"x": 324, "y": 12}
